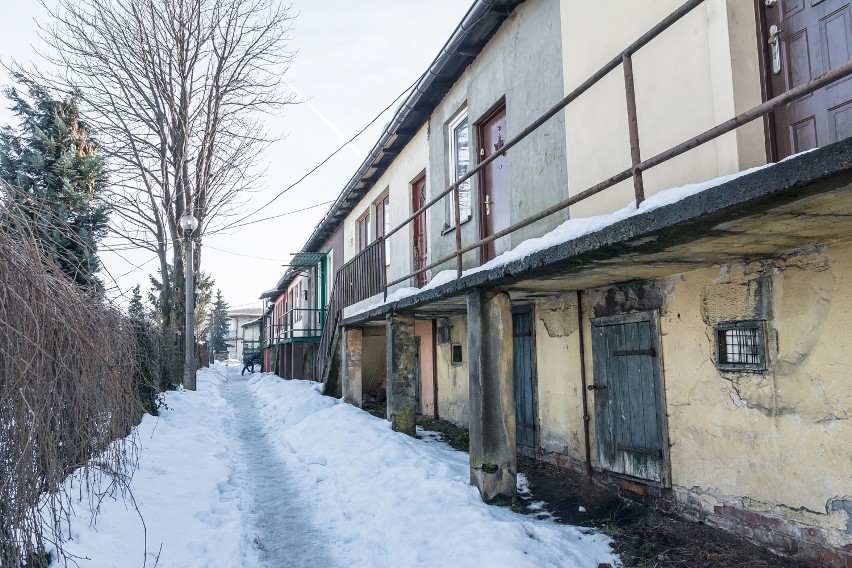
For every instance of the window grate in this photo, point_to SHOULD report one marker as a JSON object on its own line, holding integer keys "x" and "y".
{"x": 740, "y": 346}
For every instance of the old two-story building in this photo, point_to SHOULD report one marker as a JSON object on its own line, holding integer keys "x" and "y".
{"x": 294, "y": 315}
{"x": 616, "y": 237}
{"x": 236, "y": 339}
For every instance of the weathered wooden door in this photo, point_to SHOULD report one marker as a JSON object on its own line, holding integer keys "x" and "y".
{"x": 808, "y": 38}
{"x": 418, "y": 200}
{"x": 495, "y": 204}
{"x": 522, "y": 344}
{"x": 629, "y": 409}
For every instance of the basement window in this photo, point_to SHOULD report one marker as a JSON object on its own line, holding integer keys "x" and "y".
{"x": 457, "y": 354}
{"x": 741, "y": 346}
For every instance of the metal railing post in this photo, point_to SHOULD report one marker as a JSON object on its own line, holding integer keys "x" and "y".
{"x": 633, "y": 127}
{"x": 457, "y": 202}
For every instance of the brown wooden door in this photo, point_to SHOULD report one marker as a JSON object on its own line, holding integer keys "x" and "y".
{"x": 814, "y": 37}
{"x": 495, "y": 205}
{"x": 418, "y": 200}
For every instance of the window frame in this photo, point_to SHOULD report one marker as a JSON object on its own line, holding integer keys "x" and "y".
{"x": 453, "y": 170}
{"x": 719, "y": 331}
{"x": 382, "y": 206}
{"x": 453, "y": 361}
{"x": 363, "y": 235}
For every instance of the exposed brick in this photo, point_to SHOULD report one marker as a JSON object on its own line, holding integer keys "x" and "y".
{"x": 813, "y": 535}
{"x": 636, "y": 488}
{"x": 833, "y": 559}
{"x": 748, "y": 517}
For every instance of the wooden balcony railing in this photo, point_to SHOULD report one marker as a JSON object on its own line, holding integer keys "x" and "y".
{"x": 361, "y": 278}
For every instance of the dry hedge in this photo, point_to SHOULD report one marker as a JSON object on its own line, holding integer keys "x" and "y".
{"x": 69, "y": 372}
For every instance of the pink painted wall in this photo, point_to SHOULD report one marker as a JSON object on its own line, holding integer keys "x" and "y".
{"x": 423, "y": 330}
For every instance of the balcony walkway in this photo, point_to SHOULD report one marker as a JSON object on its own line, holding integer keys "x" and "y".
{"x": 804, "y": 200}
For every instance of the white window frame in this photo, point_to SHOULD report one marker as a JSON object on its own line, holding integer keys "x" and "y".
{"x": 452, "y": 170}
{"x": 386, "y": 226}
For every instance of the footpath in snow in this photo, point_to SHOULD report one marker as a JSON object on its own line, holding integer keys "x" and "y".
{"x": 263, "y": 472}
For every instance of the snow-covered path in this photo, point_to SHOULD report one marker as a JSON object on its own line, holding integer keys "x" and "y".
{"x": 279, "y": 523}
{"x": 262, "y": 472}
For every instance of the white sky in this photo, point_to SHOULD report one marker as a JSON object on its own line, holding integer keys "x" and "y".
{"x": 353, "y": 59}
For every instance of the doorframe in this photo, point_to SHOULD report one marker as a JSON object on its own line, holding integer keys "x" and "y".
{"x": 769, "y": 135}
{"x": 414, "y": 181}
{"x": 530, "y": 309}
{"x": 653, "y": 317}
{"x": 493, "y": 110}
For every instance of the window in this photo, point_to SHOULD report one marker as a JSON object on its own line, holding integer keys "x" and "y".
{"x": 329, "y": 277}
{"x": 459, "y": 153}
{"x": 741, "y": 346}
{"x": 363, "y": 231}
{"x": 299, "y": 302}
{"x": 383, "y": 223}
{"x": 457, "y": 354}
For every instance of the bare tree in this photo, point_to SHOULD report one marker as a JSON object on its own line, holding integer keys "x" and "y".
{"x": 177, "y": 91}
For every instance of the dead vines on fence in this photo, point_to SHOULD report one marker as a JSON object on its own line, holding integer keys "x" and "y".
{"x": 69, "y": 397}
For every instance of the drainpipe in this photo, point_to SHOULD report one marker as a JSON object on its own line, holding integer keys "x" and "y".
{"x": 586, "y": 417}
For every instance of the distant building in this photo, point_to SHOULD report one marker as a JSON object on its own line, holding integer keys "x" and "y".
{"x": 236, "y": 331}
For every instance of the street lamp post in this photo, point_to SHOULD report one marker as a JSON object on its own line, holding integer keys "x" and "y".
{"x": 189, "y": 223}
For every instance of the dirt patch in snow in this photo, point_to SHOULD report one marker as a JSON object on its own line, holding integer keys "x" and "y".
{"x": 643, "y": 537}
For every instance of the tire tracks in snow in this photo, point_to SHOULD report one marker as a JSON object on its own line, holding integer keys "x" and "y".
{"x": 281, "y": 530}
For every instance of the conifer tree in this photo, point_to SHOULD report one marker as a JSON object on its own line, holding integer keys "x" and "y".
{"x": 221, "y": 324}
{"x": 57, "y": 176}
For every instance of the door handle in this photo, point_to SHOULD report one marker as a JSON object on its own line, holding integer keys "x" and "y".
{"x": 487, "y": 205}
{"x": 775, "y": 48}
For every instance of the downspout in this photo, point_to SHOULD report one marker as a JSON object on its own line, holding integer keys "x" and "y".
{"x": 586, "y": 417}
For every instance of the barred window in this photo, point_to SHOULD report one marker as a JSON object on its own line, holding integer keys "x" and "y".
{"x": 741, "y": 346}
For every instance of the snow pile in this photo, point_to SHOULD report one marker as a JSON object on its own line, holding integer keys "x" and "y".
{"x": 270, "y": 473}
{"x": 391, "y": 500}
{"x": 189, "y": 505}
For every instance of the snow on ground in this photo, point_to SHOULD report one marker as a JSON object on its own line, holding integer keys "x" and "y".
{"x": 267, "y": 472}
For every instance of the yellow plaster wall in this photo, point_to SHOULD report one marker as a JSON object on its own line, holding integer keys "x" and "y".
{"x": 453, "y": 393}
{"x": 777, "y": 442}
{"x": 559, "y": 395}
{"x": 781, "y": 439}
{"x": 699, "y": 73}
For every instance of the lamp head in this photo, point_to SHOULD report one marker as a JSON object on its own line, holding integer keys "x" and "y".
{"x": 188, "y": 223}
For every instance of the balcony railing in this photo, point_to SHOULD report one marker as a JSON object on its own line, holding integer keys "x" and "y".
{"x": 624, "y": 60}
{"x": 298, "y": 324}
{"x": 361, "y": 278}
{"x": 364, "y": 276}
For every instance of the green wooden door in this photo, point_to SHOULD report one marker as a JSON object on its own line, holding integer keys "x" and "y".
{"x": 629, "y": 409}
{"x": 522, "y": 344}
{"x": 417, "y": 408}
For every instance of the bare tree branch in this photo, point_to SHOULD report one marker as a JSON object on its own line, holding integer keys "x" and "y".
{"x": 177, "y": 91}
